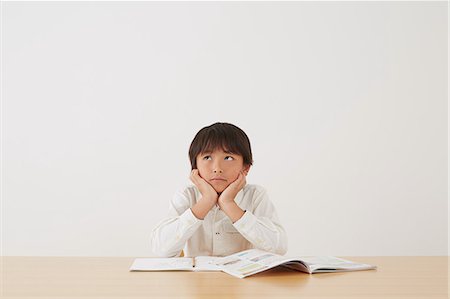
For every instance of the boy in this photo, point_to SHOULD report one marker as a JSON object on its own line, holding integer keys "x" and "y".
{"x": 220, "y": 214}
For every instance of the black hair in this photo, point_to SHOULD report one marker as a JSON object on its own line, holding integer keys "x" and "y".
{"x": 226, "y": 136}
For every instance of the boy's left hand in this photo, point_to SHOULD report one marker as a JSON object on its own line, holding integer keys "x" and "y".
{"x": 229, "y": 194}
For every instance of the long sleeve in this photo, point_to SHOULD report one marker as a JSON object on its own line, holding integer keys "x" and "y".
{"x": 262, "y": 227}
{"x": 170, "y": 235}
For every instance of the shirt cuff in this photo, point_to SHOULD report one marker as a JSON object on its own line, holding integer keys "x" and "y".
{"x": 189, "y": 222}
{"x": 246, "y": 222}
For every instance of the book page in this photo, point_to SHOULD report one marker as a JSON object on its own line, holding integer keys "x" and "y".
{"x": 206, "y": 263}
{"x": 162, "y": 264}
{"x": 249, "y": 262}
{"x": 333, "y": 264}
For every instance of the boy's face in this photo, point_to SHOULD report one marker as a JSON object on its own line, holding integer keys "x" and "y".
{"x": 220, "y": 168}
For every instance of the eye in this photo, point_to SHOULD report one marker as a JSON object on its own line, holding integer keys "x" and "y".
{"x": 206, "y": 157}
{"x": 229, "y": 157}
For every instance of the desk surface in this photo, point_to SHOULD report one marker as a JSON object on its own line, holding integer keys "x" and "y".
{"x": 108, "y": 277}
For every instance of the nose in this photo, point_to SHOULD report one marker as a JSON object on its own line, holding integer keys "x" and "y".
{"x": 217, "y": 168}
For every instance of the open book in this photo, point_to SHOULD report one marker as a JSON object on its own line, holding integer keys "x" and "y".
{"x": 252, "y": 261}
{"x": 248, "y": 262}
{"x": 199, "y": 263}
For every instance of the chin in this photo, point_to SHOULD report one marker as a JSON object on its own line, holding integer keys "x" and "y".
{"x": 219, "y": 190}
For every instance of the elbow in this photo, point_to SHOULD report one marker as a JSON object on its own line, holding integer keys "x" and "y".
{"x": 156, "y": 248}
{"x": 160, "y": 253}
{"x": 281, "y": 247}
{"x": 281, "y": 250}
{"x": 159, "y": 250}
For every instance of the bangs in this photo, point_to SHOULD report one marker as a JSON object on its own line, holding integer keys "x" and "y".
{"x": 214, "y": 141}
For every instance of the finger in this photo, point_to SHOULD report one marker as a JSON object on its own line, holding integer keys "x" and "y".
{"x": 243, "y": 181}
{"x": 195, "y": 174}
{"x": 194, "y": 177}
{"x": 241, "y": 176}
{"x": 236, "y": 181}
{"x": 199, "y": 175}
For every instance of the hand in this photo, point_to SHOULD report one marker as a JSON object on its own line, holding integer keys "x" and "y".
{"x": 207, "y": 191}
{"x": 229, "y": 194}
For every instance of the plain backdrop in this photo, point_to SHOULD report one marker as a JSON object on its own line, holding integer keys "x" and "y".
{"x": 345, "y": 104}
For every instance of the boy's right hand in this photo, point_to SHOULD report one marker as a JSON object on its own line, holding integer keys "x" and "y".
{"x": 204, "y": 187}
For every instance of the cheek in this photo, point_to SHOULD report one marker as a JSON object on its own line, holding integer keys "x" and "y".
{"x": 235, "y": 175}
{"x": 201, "y": 170}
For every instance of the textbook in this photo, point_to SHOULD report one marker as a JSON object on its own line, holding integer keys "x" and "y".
{"x": 252, "y": 261}
{"x": 199, "y": 263}
{"x": 248, "y": 262}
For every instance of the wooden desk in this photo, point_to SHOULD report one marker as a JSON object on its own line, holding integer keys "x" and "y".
{"x": 108, "y": 277}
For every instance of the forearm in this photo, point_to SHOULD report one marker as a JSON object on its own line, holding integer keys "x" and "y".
{"x": 232, "y": 210}
{"x": 202, "y": 207}
{"x": 263, "y": 233}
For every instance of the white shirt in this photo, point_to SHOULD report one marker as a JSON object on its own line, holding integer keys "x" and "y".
{"x": 216, "y": 235}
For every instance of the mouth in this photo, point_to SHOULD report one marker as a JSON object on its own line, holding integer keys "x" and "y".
{"x": 218, "y": 180}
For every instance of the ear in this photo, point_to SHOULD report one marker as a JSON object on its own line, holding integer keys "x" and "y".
{"x": 246, "y": 169}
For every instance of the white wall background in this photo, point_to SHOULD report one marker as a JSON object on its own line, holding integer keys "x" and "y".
{"x": 345, "y": 104}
